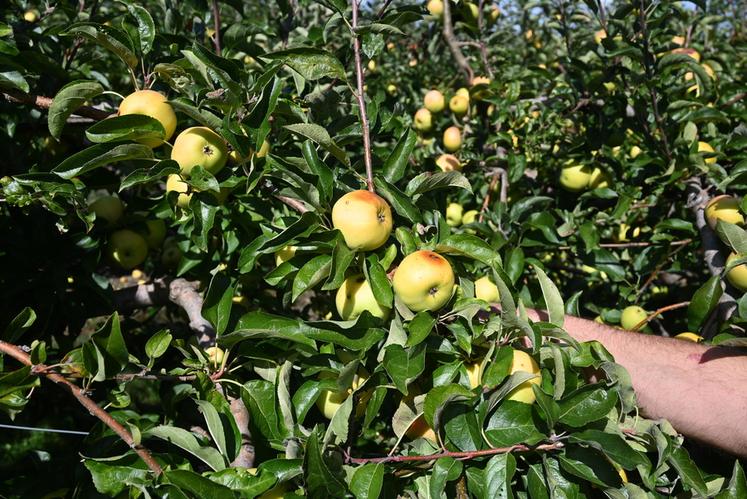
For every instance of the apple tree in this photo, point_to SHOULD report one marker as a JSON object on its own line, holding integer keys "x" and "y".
{"x": 286, "y": 249}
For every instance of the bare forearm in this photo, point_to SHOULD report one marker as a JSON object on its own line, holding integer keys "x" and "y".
{"x": 699, "y": 389}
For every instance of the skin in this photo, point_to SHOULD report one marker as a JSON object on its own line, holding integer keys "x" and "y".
{"x": 364, "y": 218}
{"x": 436, "y": 7}
{"x": 153, "y": 104}
{"x": 199, "y": 146}
{"x": 284, "y": 254}
{"x": 681, "y": 381}
{"x": 454, "y": 214}
{"x": 355, "y": 296}
{"x": 424, "y": 281}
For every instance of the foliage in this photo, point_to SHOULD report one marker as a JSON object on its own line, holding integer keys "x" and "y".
{"x": 599, "y": 85}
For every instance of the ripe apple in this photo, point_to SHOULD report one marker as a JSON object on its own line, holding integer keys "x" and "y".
{"x": 738, "y": 275}
{"x": 391, "y": 89}
{"x": 424, "y": 281}
{"x": 435, "y": 8}
{"x": 480, "y": 80}
{"x": 175, "y": 183}
{"x": 632, "y": 316}
{"x": 599, "y": 36}
{"x": 153, "y": 104}
{"x": 155, "y": 232}
{"x": 354, "y": 296}
{"x": 423, "y": 121}
{"x": 364, "y": 219}
{"x": 420, "y": 429}
{"x": 724, "y": 208}
{"x": 284, "y": 254}
{"x": 448, "y": 163}
{"x": 31, "y": 16}
{"x": 459, "y": 104}
{"x": 523, "y": 362}
{"x": 372, "y": 66}
{"x": 485, "y": 289}
{"x": 469, "y": 217}
{"x": 452, "y": 139}
{"x": 329, "y": 402}
{"x": 216, "y": 355}
{"x": 108, "y": 208}
{"x": 494, "y": 14}
{"x": 127, "y": 248}
{"x": 622, "y": 233}
{"x": 470, "y": 12}
{"x": 575, "y": 178}
{"x": 688, "y": 51}
{"x": 688, "y": 336}
{"x": 634, "y": 152}
{"x": 474, "y": 374}
{"x": 454, "y": 214}
{"x": 599, "y": 179}
{"x": 199, "y": 145}
{"x": 678, "y": 40}
{"x": 705, "y": 147}
{"x": 434, "y": 101}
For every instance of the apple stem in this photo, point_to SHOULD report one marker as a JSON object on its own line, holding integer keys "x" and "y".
{"x": 361, "y": 96}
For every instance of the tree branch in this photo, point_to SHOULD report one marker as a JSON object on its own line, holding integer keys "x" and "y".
{"x": 93, "y": 408}
{"x": 42, "y": 102}
{"x": 361, "y": 96}
{"x": 451, "y": 41}
{"x": 297, "y": 205}
{"x": 216, "y": 26}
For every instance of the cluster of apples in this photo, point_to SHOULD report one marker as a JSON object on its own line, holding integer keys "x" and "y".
{"x": 434, "y": 103}
{"x": 726, "y": 208}
{"x": 468, "y": 11}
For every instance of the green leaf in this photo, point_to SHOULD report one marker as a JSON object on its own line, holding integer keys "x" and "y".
{"x": 737, "y": 487}
{"x": 311, "y": 63}
{"x": 20, "y": 323}
{"x": 378, "y": 280}
{"x": 146, "y": 28}
{"x": 611, "y": 445}
{"x": 127, "y": 127}
{"x": 733, "y": 235}
{"x": 469, "y": 246}
{"x": 367, "y": 481}
{"x": 342, "y": 257}
{"x": 214, "y": 426}
{"x": 112, "y": 477}
{"x": 437, "y": 399}
{"x": 512, "y": 423}
{"x": 589, "y": 465}
{"x": 402, "y": 365}
{"x": 109, "y": 37}
{"x": 68, "y": 99}
{"x": 688, "y": 471}
{"x": 320, "y": 135}
{"x": 145, "y": 175}
{"x": 188, "y": 442}
{"x": 587, "y": 404}
{"x": 157, "y": 344}
{"x": 498, "y": 474}
{"x": 325, "y": 176}
{"x": 13, "y": 79}
{"x": 312, "y": 273}
{"x": 419, "y": 328}
{"x": 445, "y": 469}
{"x": 98, "y": 156}
{"x": 204, "y": 207}
{"x": 703, "y": 302}
{"x": 198, "y": 485}
{"x": 320, "y": 479}
{"x": 262, "y": 403}
{"x": 396, "y": 163}
{"x": 553, "y": 300}
{"x": 430, "y": 181}
{"x": 218, "y": 301}
{"x": 399, "y": 201}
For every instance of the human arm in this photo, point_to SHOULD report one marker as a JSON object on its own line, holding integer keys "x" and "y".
{"x": 700, "y": 389}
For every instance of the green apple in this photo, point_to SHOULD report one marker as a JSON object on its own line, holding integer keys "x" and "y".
{"x": 356, "y": 296}
{"x": 599, "y": 179}
{"x": 738, "y": 275}
{"x": 459, "y": 104}
{"x": 435, "y": 8}
{"x": 485, "y": 289}
{"x": 632, "y": 316}
{"x": 424, "y": 281}
{"x": 724, "y": 208}
{"x": 153, "y": 104}
{"x": 434, "y": 101}
{"x": 108, "y": 208}
{"x": 452, "y": 139}
{"x": 523, "y": 362}
{"x": 216, "y": 356}
{"x": 575, "y": 178}
{"x": 705, "y": 147}
{"x": 449, "y": 163}
{"x": 199, "y": 146}
{"x": 155, "y": 232}
{"x": 470, "y": 217}
{"x": 284, "y": 254}
{"x": 363, "y": 218}
{"x": 454, "y": 214}
{"x": 423, "y": 121}
{"x": 127, "y": 248}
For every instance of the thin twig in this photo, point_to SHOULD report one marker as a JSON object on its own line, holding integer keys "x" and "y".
{"x": 456, "y": 455}
{"x": 216, "y": 26}
{"x": 361, "y": 96}
{"x": 383, "y": 8}
{"x": 735, "y": 99}
{"x": 637, "y": 244}
{"x": 43, "y": 102}
{"x": 93, "y": 408}
{"x": 661, "y": 310}
{"x": 451, "y": 41}
{"x": 293, "y": 203}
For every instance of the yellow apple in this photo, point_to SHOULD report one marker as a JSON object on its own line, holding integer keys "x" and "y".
{"x": 434, "y": 101}
{"x": 452, "y": 139}
{"x": 199, "y": 145}
{"x": 454, "y": 214}
{"x": 31, "y": 16}
{"x": 391, "y": 89}
{"x": 284, "y": 254}
{"x": 108, "y": 208}
{"x": 678, "y": 40}
{"x": 459, "y": 104}
{"x": 354, "y": 296}
{"x": 329, "y": 402}
{"x": 599, "y": 179}
{"x": 215, "y": 355}
{"x": 264, "y": 149}
{"x": 435, "y": 8}
{"x": 424, "y": 281}
{"x": 423, "y": 120}
{"x": 480, "y": 80}
{"x": 485, "y": 289}
{"x": 155, "y": 232}
{"x": 688, "y": 336}
{"x": 632, "y": 316}
{"x": 634, "y": 152}
{"x": 175, "y": 183}
{"x": 575, "y": 178}
{"x": 470, "y": 217}
{"x": 364, "y": 219}
{"x": 622, "y": 233}
{"x": 494, "y": 14}
{"x": 724, "y": 208}
{"x": 523, "y": 362}
{"x": 127, "y": 248}
{"x": 153, "y": 104}
{"x": 705, "y": 147}
{"x": 420, "y": 429}
{"x": 474, "y": 374}
{"x": 689, "y": 52}
{"x": 738, "y": 275}
{"x": 599, "y": 36}
{"x": 448, "y": 163}
{"x": 372, "y": 66}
